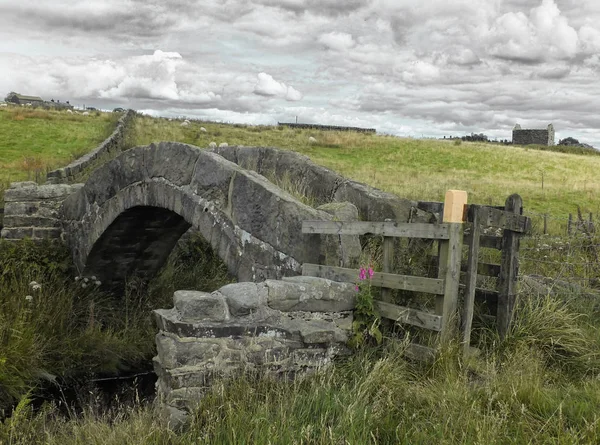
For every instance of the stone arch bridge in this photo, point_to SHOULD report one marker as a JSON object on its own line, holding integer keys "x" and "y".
{"x": 130, "y": 213}
{"x": 127, "y": 217}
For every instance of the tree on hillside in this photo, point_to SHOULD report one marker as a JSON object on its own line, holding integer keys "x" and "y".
{"x": 8, "y": 96}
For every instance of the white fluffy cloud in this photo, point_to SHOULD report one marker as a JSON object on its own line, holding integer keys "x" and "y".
{"x": 545, "y": 34}
{"x": 267, "y": 86}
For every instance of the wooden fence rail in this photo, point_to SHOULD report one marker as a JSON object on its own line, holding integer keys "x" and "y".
{"x": 450, "y": 235}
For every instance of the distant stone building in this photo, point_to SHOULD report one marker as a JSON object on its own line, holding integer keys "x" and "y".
{"x": 21, "y": 99}
{"x": 538, "y": 137}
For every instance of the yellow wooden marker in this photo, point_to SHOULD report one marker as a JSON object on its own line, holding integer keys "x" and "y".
{"x": 454, "y": 206}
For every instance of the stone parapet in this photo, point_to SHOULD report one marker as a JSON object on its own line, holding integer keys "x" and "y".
{"x": 325, "y": 186}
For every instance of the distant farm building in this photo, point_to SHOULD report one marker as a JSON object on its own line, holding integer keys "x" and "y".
{"x": 538, "y": 137}
{"x": 21, "y": 99}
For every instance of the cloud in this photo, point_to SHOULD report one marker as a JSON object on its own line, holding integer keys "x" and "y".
{"x": 267, "y": 86}
{"x": 398, "y": 65}
{"x": 337, "y": 41}
{"x": 543, "y": 35}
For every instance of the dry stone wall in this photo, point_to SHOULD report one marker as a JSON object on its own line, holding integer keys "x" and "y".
{"x": 281, "y": 328}
{"x": 33, "y": 211}
{"x": 113, "y": 144}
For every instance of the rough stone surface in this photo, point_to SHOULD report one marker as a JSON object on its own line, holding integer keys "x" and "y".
{"x": 341, "y": 250}
{"x": 200, "y": 306}
{"x": 256, "y": 337}
{"x": 320, "y": 183}
{"x": 310, "y": 294}
{"x": 33, "y": 211}
{"x": 242, "y": 298}
{"x": 116, "y": 217}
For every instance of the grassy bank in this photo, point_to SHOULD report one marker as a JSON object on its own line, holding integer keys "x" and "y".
{"x": 549, "y": 182}
{"x": 35, "y": 141}
{"x": 539, "y": 386}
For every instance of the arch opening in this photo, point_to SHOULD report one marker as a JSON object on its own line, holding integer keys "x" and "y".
{"x": 137, "y": 243}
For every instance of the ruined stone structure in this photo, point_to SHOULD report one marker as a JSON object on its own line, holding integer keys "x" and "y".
{"x": 280, "y": 328}
{"x": 538, "y": 137}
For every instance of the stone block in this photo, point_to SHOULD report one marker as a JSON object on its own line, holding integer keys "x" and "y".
{"x": 174, "y": 352}
{"x": 33, "y": 192}
{"x": 310, "y": 294}
{"x": 201, "y": 306}
{"x": 242, "y": 298}
{"x": 17, "y": 233}
{"x": 11, "y": 220}
{"x": 172, "y": 161}
{"x": 341, "y": 250}
{"x": 47, "y": 233}
{"x": 374, "y": 204}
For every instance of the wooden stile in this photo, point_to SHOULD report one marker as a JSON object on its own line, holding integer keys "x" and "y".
{"x": 471, "y": 285}
{"x": 450, "y": 259}
{"x": 507, "y": 280}
{"x": 388, "y": 264}
{"x": 446, "y": 287}
{"x": 410, "y": 316}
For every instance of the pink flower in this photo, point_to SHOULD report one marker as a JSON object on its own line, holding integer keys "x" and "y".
{"x": 371, "y": 273}
{"x": 356, "y": 288}
{"x": 363, "y": 274}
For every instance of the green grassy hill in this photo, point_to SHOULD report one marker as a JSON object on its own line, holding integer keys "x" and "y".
{"x": 549, "y": 182}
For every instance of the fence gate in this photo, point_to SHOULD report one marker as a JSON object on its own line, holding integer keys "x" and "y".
{"x": 450, "y": 235}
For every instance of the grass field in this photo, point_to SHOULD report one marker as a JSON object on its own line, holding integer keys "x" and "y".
{"x": 549, "y": 182}
{"x": 35, "y": 141}
{"x": 539, "y": 385}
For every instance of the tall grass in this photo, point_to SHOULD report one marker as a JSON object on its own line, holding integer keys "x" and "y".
{"x": 517, "y": 394}
{"x": 65, "y": 330}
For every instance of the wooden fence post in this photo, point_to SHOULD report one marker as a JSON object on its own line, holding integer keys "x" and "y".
{"x": 471, "y": 284}
{"x": 509, "y": 270}
{"x": 388, "y": 265}
{"x": 569, "y": 224}
{"x": 450, "y": 259}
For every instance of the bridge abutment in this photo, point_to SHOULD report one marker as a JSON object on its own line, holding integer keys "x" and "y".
{"x": 278, "y": 327}
{"x": 33, "y": 211}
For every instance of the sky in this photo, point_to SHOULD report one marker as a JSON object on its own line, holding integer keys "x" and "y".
{"x": 427, "y": 68}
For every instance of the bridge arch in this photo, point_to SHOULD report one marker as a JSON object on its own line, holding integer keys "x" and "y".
{"x": 130, "y": 213}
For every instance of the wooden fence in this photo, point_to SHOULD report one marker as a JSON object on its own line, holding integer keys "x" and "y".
{"x": 472, "y": 226}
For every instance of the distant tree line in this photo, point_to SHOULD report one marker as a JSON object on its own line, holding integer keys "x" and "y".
{"x": 474, "y": 137}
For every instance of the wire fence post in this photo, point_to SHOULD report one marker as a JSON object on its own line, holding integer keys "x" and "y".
{"x": 545, "y": 223}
